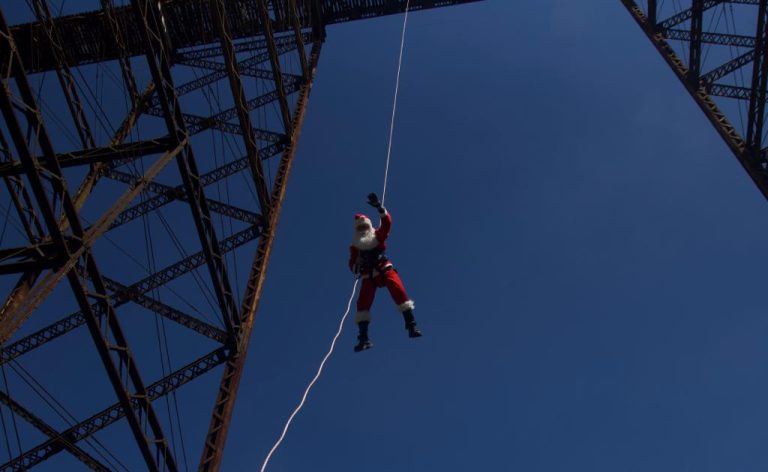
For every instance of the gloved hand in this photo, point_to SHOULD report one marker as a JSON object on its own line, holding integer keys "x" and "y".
{"x": 373, "y": 200}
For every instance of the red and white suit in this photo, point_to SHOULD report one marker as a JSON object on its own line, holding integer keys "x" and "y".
{"x": 366, "y": 256}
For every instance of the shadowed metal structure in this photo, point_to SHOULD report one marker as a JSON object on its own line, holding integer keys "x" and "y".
{"x": 719, "y": 51}
{"x": 82, "y": 187}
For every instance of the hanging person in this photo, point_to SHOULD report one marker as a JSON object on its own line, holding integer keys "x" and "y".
{"x": 368, "y": 260}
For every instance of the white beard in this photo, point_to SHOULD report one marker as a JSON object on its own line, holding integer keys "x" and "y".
{"x": 365, "y": 241}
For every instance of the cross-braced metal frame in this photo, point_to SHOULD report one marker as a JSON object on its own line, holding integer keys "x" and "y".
{"x": 719, "y": 51}
{"x": 169, "y": 59}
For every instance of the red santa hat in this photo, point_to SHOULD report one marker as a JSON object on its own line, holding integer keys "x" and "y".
{"x": 361, "y": 218}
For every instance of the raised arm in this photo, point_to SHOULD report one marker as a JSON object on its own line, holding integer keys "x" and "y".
{"x": 386, "y": 221}
{"x": 385, "y": 226}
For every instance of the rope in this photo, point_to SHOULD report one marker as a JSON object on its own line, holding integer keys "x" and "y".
{"x": 317, "y": 376}
{"x": 394, "y": 105}
{"x": 357, "y": 280}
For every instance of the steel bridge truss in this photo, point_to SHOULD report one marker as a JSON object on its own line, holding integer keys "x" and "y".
{"x": 218, "y": 87}
{"x": 719, "y": 51}
{"x": 61, "y": 246}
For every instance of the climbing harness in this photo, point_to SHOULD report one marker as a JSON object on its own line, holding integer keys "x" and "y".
{"x": 373, "y": 260}
{"x": 357, "y": 278}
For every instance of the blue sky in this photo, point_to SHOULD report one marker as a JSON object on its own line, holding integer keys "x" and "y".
{"x": 584, "y": 253}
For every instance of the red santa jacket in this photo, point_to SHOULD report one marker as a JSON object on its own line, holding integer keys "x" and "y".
{"x": 372, "y": 260}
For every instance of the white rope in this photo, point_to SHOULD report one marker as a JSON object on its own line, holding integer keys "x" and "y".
{"x": 354, "y": 287}
{"x": 394, "y": 105}
{"x": 312, "y": 383}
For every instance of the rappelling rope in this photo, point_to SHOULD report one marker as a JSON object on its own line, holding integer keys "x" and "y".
{"x": 394, "y": 105}
{"x": 357, "y": 280}
{"x": 317, "y": 376}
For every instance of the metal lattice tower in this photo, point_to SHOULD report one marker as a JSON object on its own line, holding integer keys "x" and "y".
{"x": 218, "y": 87}
{"x": 719, "y": 51}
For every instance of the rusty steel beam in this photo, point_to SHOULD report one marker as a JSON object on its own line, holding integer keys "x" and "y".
{"x": 751, "y": 160}
{"x": 82, "y": 239}
{"x": 197, "y": 124}
{"x": 19, "y": 293}
{"x": 238, "y": 95}
{"x": 274, "y": 59}
{"x": 686, "y": 15}
{"x": 46, "y": 429}
{"x": 756, "y": 113}
{"x": 246, "y": 68}
{"x": 168, "y": 312}
{"x": 52, "y": 39}
{"x": 233, "y": 369}
{"x": 730, "y": 91}
{"x": 35, "y": 258}
{"x": 112, "y": 414}
{"x": 284, "y": 43}
{"x": 122, "y": 53}
{"x": 90, "y": 39}
{"x": 53, "y": 42}
{"x": 107, "y": 334}
{"x": 24, "y": 207}
{"x": 151, "y": 282}
{"x": 177, "y": 193}
{"x": 721, "y": 39}
{"x": 206, "y": 179}
{"x": 46, "y": 249}
{"x": 293, "y": 12}
{"x": 20, "y": 197}
{"x": 32, "y": 226}
{"x": 729, "y": 67}
{"x": 694, "y": 57}
{"x": 158, "y": 58}
{"x": 220, "y": 72}
{"x": 95, "y": 173}
{"x": 93, "y": 155}
{"x": 139, "y": 104}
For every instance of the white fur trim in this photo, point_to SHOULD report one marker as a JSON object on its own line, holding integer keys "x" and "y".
{"x": 363, "y": 316}
{"x": 409, "y": 305}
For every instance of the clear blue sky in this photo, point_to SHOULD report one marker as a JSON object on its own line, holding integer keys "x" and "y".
{"x": 584, "y": 253}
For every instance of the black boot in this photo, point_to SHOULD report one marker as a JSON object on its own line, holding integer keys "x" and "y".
{"x": 363, "y": 342}
{"x": 410, "y": 324}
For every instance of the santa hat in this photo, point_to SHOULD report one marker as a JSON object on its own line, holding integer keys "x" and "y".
{"x": 361, "y": 218}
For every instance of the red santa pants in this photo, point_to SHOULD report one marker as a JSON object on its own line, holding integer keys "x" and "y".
{"x": 388, "y": 279}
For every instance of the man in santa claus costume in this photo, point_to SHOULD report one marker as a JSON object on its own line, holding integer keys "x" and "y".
{"x": 367, "y": 259}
